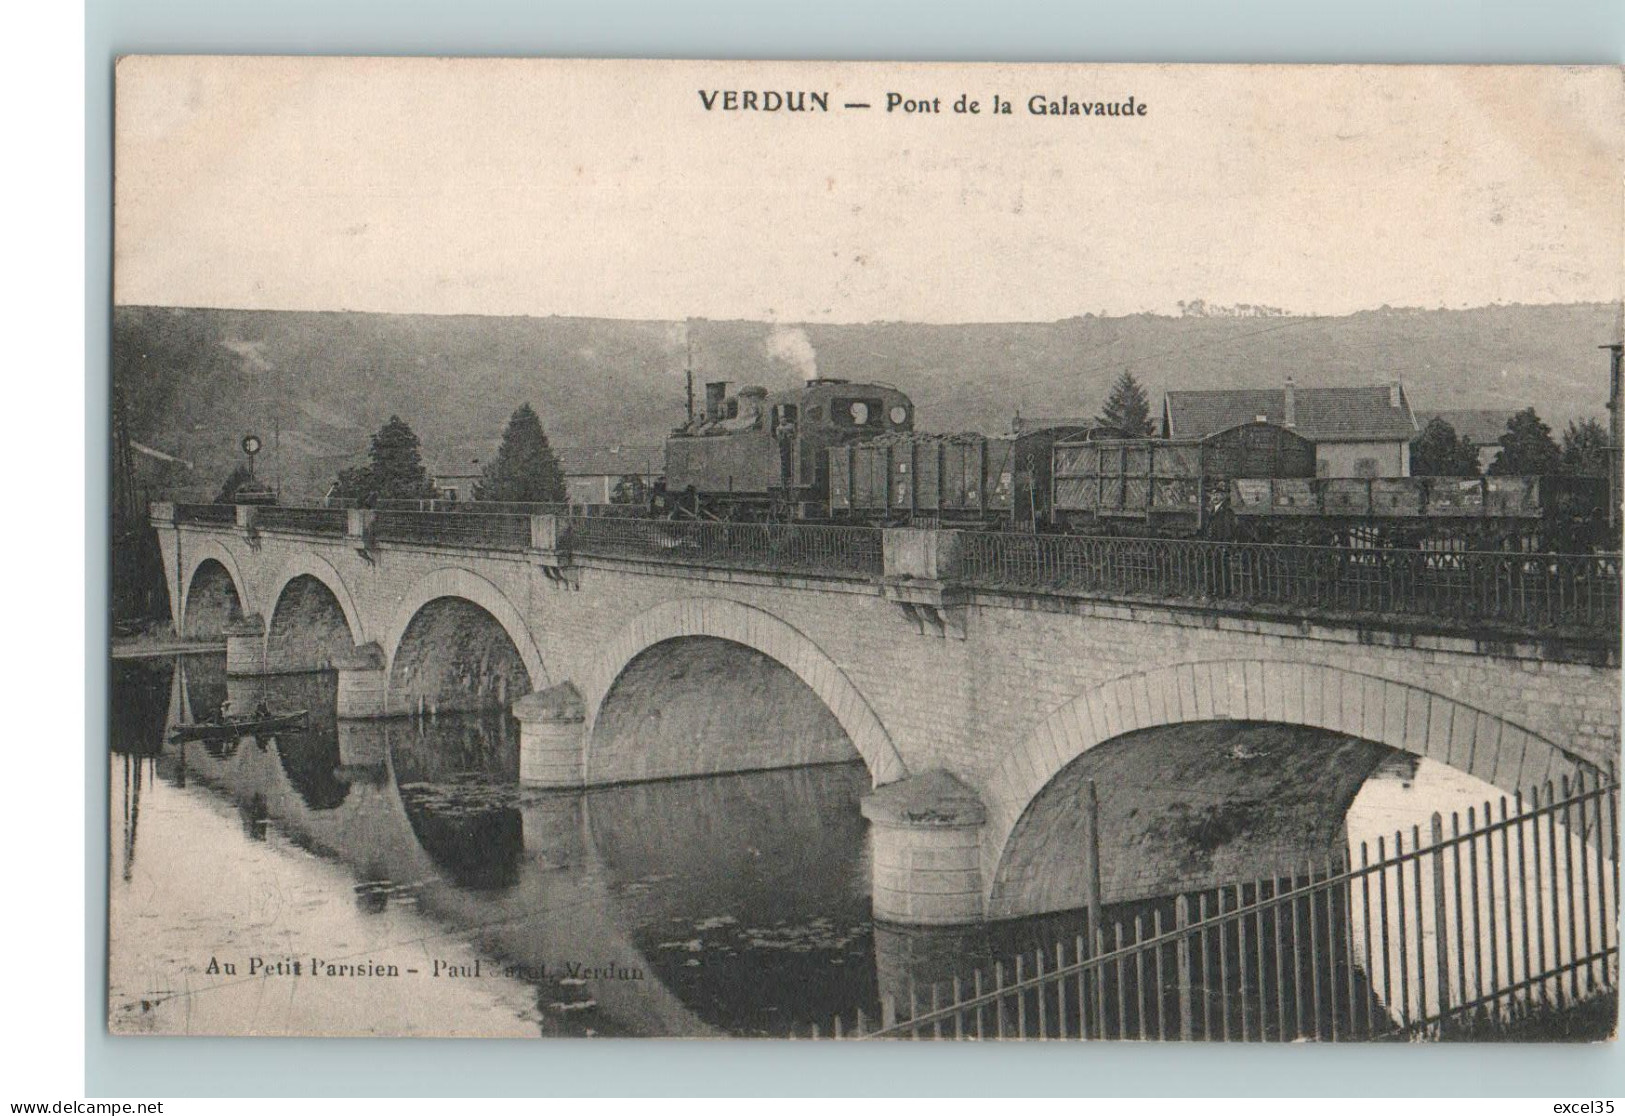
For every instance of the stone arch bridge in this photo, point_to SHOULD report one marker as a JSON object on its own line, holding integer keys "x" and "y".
{"x": 635, "y": 649}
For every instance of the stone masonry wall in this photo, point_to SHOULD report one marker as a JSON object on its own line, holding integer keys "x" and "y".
{"x": 910, "y": 699}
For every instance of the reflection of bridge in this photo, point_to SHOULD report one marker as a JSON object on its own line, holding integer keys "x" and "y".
{"x": 968, "y": 671}
{"x": 371, "y": 828}
{"x": 541, "y": 879}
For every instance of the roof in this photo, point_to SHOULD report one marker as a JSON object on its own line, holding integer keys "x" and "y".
{"x": 610, "y": 461}
{"x": 1482, "y": 428}
{"x": 1339, "y": 414}
{"x": 457, "y": 471}
{"x": 1023, "y": 424}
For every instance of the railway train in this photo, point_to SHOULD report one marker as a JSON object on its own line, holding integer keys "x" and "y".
{"x": 836, "y": 451}
{"x": 756, "y": 454}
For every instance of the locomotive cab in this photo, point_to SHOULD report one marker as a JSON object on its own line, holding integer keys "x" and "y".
{"x": 760, "y": 452}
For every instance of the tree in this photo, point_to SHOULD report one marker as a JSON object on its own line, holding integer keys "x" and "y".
{"x": 1127, "y": 408}
{"x": 239, "y": 477}
{"x": 525, "y": 469}
{"x": 1440, "y": 452}
{"x": 394, "y": 470}
{"x": 1585, "y": 449}
{"x": 1527, "y": 449}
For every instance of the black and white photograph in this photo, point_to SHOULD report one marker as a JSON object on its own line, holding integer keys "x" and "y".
{"x": 859, "y": 551}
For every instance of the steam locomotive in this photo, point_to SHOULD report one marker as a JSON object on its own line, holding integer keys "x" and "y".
{"x": 755, "y": 454}
{"x": 838, "y": 451}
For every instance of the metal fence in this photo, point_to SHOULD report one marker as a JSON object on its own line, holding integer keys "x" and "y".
{"x": 1579, "y": 591}
{"x": 483, "y": 532}
{"x": 213, "y": 515}
{"x": 499, "y": 507}
{"x": 800, "y": 548}
{"x": 313, "y": 521}
{"x": 1491, "y": 918}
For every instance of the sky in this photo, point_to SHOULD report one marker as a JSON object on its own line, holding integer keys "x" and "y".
{"x": 606, "y": 189}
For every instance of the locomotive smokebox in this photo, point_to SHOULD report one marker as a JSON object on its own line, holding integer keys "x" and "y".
{"x": 715, "y": 393}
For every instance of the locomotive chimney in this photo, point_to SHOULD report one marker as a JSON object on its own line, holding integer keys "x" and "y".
{"x": 715, "y": 392}
{"x": 1290, "y": 405}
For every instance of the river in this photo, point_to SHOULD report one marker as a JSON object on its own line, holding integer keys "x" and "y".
{"x": 392, "y": 878}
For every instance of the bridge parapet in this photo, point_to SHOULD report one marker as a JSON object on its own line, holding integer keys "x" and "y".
{"x": 829, "y": 551}
{"x": 1498, "y": 596}
{"x": 1480, "y": 593}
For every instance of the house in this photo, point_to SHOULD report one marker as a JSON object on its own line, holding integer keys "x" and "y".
{"x": 1358, "y": 431}
{"x": 592, "y": 472}
{"x": 1482, "y": 428}
{"x": 456, "y": 482}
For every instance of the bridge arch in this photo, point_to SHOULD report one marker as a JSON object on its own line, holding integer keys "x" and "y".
{"x": 309, "y": 591}
{"x": 454, "y": 587}
{"x": 764, "y": 633}
{"x": 1379, "y": 710}
{"x": 199, "y": 557}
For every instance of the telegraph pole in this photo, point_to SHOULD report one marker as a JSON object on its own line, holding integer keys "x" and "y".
{"x": 688, "y": 337}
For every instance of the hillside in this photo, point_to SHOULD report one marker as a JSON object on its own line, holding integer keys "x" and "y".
{"x": 197, "y": 379}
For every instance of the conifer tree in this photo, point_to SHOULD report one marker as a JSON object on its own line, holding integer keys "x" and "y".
{"x": 394, "y": 470}
{"x": 525, "y": 469}
{"x": 1127, "y": 408}
{"x": 238, "y": 478}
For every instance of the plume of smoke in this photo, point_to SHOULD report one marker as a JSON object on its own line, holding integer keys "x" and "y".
{"x": 675, "y": 341}
{"x": 790, "y": 344}
{"x": 677, "y": 336}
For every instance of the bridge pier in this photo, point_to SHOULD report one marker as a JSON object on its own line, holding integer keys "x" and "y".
{"x": 363, "y": 683}
{"x": 363, "y": 747}
{"x": 552, "y": 731}
{"x": 926, "y": 834}
{"x": 245, "y": 646}
{"x": 910, "y": 959}
{"x": 245, "y": 691}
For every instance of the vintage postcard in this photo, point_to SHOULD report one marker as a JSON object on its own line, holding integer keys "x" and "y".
{"x": 935, "y": 551}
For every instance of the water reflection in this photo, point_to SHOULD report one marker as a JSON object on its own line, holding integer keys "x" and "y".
{"x": 457, "y": 779}
{"x": 736, "y": 904}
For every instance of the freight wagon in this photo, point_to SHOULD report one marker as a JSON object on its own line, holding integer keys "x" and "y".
{"x": 1513, "y": 513}
{"x": 1178, "y": 483}
{"x": 951, "y": 478}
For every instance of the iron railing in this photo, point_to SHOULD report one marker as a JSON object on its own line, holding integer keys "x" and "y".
{"x": 801, "y": 548}
{"x": 1515, "y": 913}
{"x": 500, "y": 507}
{"x": 482, "y": 532}
{"x": 1541, "y": 591}
{"x": 313, "y": 521}
{"x": 1576, "y": 594}
{"x": 212, "y": 515}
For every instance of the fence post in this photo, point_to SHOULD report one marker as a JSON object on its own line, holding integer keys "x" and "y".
{"x": 1182, "y": 919}
{"x": 1441, "y": 939}
{"x": 1091, "y": 851}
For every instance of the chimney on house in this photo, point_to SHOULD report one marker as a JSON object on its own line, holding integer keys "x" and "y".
{"x": 716, "y": 394}
{"x": 1393, "y": 394}
{"x": 1291, "y": 404}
